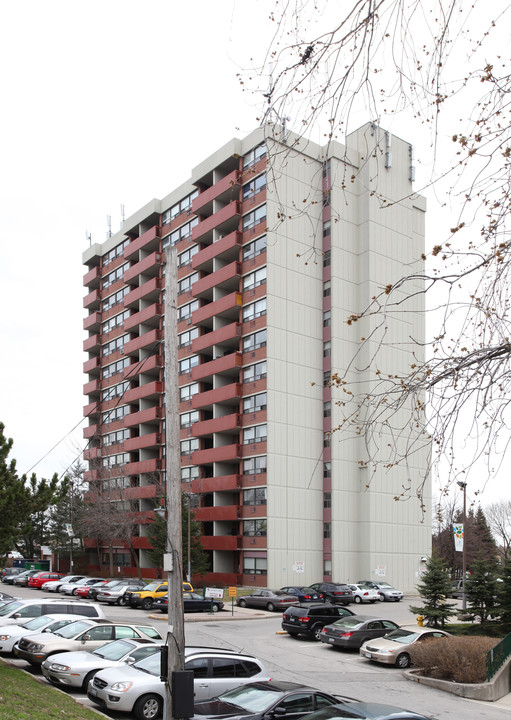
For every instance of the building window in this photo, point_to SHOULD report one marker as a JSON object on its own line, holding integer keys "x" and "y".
{"x": 188, "y": 391}
{"x": 117, "y": 413}
{"x": 254, "y": 310}
{"x": 114, "y": 322}
{"x": 189, "y": 446}
{"x": 254, "y": 434}
{"x": 254, "y": 156}
{"x": 117, "y": 483}
{"x": 254, "y": 341}
{"x": 255, "y": 217}
{"x": 327, "y": 348}
{"x": 326, "y": 258}
{"x": 114, "y": 438}
{"x": 114, "y": 391}
{"x": 114, "y": 299}
{"x": 326, "y": 439}
{"x": 186, "y": 283}
{"x": 115, "y": 368}
{"x": 186, "y": 365}
{"x": 327, "y": 409}
{"x": 326, "y": 288}
{"x": 182, "y": 233}
{"x": 327, "y": 377}
{"x": 327, "y": 530}
{"x": 114, "y": 345}
{"x": 186, "y": 338}
{"x": 254, "y": 465}
{"x": 115, "y": 275}
{"x": 116, "y": 252}
{"x": 254, "y": 372}
{"x": 178, "y": 208}
{"x": 254, "y": 186}
{"x": 185, "y": 311}
{"x": 186, "y": 420}
{"x": 254, "y": 496}
{"x": 254, "y": 403}
{"x": 115, "y": 460}
{"x": 253, "y": 279}
{"x": 254, "y": 248}
{"x": 185, "y": 258}
{"x": 326, "y": 228}
{"x": 254, "y": 566}
{"x": 327, "y": 567}
{"x": 327, "y": 500}
{"x": 253, "y": 528}
{"x": 189, "y": 473}
{"x": 327, "y": 469}
{"x": 327, "y": 318}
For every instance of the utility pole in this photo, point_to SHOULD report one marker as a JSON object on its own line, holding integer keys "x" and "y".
{"x": 174, "y": 551}
{"x": 463, "y": 486}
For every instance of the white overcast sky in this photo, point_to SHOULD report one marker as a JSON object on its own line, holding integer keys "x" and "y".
{"x": 103, "y": 103}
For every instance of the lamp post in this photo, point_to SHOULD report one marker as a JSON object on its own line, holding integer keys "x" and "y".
{"x": 463, "y": 486}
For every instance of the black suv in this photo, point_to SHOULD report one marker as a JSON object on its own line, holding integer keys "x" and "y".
{"x": 310, "y": 618}
{"x": 336, "y": 593}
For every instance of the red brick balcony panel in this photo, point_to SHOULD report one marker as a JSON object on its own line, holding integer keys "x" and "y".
{"x": 141, "y": 492}
{"x": 143, "y": 466}
{"x": 219, "y": 542}
{"x": 150, "y": 265}
{"x": 90, "y": 409}
{"x": 226, "y": 365}
{"x": 149, "y": 338}
{"x": 226, "y": 188}
{"x": 223, "y": 215}
{"x": 150, "y": 365}
{"x": 253, "y": 449}
{"x": 90, "y": 431}
{"x": 224, "y": 453}
{"x": 217, "y": 513}
{"x": 92, "y": 321}
{"x": 91, "y": 388}
{"x": 252, "y": 388}
{"x": 225, "y": 305}
{"x": 254, "y": 294}
{"x": 246, "y": 512}
{"x": 92, "y": 300}
{"x": 258, "y": 479}
{"x": 226, "y": 248}
{"x": 142, "y": 441}
{"x": 92, "y": 278}
{"x": 91, "y": 343}
{"x": 150, "y": 389}
{"x": 92, "y": 365}
{"x": 222, "y": 394}
{"x": 149, "y": 315}
{"x": 222, "y": 424}
{"x": 250, "y": 543}
{"x": 150, "y": 290}
{"x": 215, "y": 484}
{"x": 224, "y": 276}
{"x": 147, "y": 416}
{"x": 150, "y": 240}
{"x": 91, "y": 453}
{"x": 218, "y": 337}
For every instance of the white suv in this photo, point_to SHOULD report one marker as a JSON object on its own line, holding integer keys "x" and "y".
{"x": 17, "y": 611}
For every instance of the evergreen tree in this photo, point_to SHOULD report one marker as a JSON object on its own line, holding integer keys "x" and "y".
{"x": 483, "y": 538}
{"x": 503, "y": 604}
{"x": 481, "y": 587}
{"x": 434, "y": 587}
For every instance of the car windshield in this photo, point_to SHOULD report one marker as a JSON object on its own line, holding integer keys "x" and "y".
{"x": 253, "y": 699}
{"x": 149, "y": 664}
{"x": 69, "y": 631}
{"x": 10, "y": 607}
{"x": 149, "y": 631}
{"x": 37, "y": 622}
{"x": 350, "y": 622}
{"x": 114, "y": 650}
{"x": 151, "y": 586}
{"x": 385, "y": 585}
{"x": 402, "y": 636}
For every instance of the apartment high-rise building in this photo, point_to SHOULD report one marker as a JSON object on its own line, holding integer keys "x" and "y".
{"x": 279, "y": 240}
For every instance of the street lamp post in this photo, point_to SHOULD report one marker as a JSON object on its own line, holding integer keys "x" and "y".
{"x": 463, "y": 486}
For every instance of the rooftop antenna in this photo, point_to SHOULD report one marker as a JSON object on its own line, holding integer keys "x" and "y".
{"x": 122, "y": 215}
{"x": 88, "y": 236}
{"x": 109, "y": 226}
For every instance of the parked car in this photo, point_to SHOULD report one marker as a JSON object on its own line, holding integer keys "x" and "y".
{"x": 76, "y": 669}
{"x": 19, "y": 610}
{"x": 117, "y": 595}
{"x": 304, "y": 593}
{"x": 337, "y": 593}
{"x": 387, "y": 592}
{"x": 144, "y": 597}
{"x": 80, "y": 635}
{"x": 11, "y": 572}
{"x": 6, "y": 598}
{"x": 354, "y": 631}
{"x": 365, "y": 711}
{"x": 23, "y": 578}
{"x": 84, "y": 590}
{"x": 267, "y": 600}
{"x": 71, "y": 588}
{"x": 94, "y": 589}
{"x": 364, "y": 593}
{"x": 138, "y": 689}
{"x": 192, "y": 602}
{"x": 266, "y": 700}
{"x": 309, "y": 619}
{"x": 393, "y": 648}
{"x": 10, "y": 634}
{"x": 456, "y": 589}
{"x": 38, "y": 580}
{"x": 54, "y": 585}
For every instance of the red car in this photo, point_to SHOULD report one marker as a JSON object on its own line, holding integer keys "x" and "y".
{"x": 37, "y": 580}
{"x": 83, "y": 590}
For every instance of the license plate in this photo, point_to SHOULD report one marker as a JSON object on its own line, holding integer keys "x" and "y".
{"x": 291, "y": 619}
{"x": 93, "y": 691}
{"x": 368, "y": 655}
{"x": 330, "y": 640}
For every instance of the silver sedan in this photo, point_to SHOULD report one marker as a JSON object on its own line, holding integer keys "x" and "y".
{"x": 75, "y": 669}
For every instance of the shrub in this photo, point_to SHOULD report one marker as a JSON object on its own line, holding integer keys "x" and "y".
{"x": 458, "y": 659}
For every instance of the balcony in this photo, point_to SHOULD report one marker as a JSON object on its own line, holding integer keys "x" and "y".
{"x": 215, "y": 484}
{"x": 150, "y": 290}
{"x": 91, "y": 388}
{"x": 148, "y": 316}
{"x": 219, "y": 542}
{"x": 92, "y": 301}
{"x": 225, "y": 365}
{"x": 142, "y": 441}
{"x": 224, "y": 453}
{"x": 228, "y": 336}
{"x": 228, "y": 394}
{"x": 151, "y": 415}
{"x": 151, "y": 365}
{"x": 149, "y": 266}
{"x": 92, "y": 322}
{"x": 217, "y": 513}
{"x": 227, "y": 248}
{"x": 227, "y": 277}
{"x": 91, "y": 409}
{"x": 227, "y": 307}
{"x": 90, "y": 431}
{"x": 92, "y": 278}
{"x": 92, "y": 453}
{"x": 92, "y": 345}
{"x": 150, "y": 240}
{"x": 225, "y": 219}
{"x": 152, "y": 337}
{"x": 252, "y": 543}
{"x": 92, "y": 366}
{"x": 150, "y": 389}
{"x": 225, "y": 423}
{"x": 224, "y": 190}
{"x": 143, "y": 466}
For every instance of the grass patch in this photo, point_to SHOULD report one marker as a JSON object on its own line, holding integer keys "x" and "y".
{"x": 489, "y": 629}
{"x": 22, "y": 697}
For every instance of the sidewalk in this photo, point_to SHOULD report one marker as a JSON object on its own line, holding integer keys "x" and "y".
{"x": 228, "y": 613}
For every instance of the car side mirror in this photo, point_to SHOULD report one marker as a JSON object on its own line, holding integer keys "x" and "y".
{"x": 130, "y": 660}
{"x": 86, "y": 637}
{"x": 17, "y": 615}
{"x": 278, "y": 712}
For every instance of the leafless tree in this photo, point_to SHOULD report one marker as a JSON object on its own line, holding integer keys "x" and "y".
{"x": 440, "y": 70}
{"x": 498, "y": 516}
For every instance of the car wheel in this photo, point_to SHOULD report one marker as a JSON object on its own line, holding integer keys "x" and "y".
{"x": 242, "y": 603}
{"x": 146, "y": 604}
{"x": 74, "y": 591}
{"x": 214, "y": 608}
{"x": 316, "y": 632}
{"x": 358, "y": 599}
{"x": 270, "y": 607}
{"x": 403, "y": 661}
{"x": 122, "y": 601}
{"x": 382, "y": 597}
{"x": 87, "y": 680}
{"x": 148, "y": 707}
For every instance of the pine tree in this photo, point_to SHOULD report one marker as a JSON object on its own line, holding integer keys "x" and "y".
{"x": 433, "y": 589}
{"x": 503, "y": 604}
{"x": 483, "y": 538}
{"x": 480, "y": 587}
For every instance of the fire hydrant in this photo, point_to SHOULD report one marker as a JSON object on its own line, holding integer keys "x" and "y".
{"x": 420, "y": 620}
